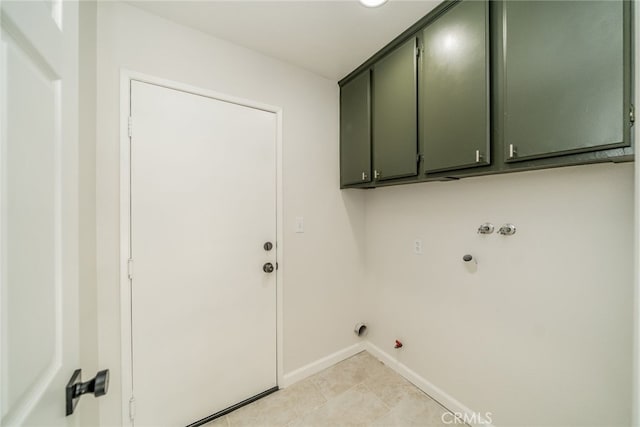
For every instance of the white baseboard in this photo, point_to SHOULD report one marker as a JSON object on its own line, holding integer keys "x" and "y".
{"x": 429, "y": 388}
{"x": 320, "y": 364}
{"x": 470, "y": 417}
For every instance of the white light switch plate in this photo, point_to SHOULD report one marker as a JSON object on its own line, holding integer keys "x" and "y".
{"x": 299, "y": 224}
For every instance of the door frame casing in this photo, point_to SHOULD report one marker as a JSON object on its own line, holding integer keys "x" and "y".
{"x": 126, "y": 76}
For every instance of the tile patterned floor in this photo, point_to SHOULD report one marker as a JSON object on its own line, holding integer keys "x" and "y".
{"x": 360, "y": 391}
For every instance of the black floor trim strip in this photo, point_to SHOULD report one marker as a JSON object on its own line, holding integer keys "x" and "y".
{"x": 233, "y": 408}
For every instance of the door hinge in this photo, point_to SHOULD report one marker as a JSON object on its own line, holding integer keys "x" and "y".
{"x": 130, "y": 268}
{"x": 132, "y": 408}
{"x": 130, "y": 126}
{"x": 632, "y": 113}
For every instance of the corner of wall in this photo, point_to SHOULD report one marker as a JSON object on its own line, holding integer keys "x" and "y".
{"x": 461, "y": 411}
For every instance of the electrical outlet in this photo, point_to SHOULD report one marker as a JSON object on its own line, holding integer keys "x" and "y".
{"x": 417, "y": 247}
{"x": 299, "y": 224}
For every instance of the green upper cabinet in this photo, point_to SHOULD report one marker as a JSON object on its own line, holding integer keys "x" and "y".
{"x": 563, "y": 85}
{"x": 395, "y": 126}
{"x": 454, "y": 89}
{"x": 355, "y": 130}
{"x": 480, "y": 87}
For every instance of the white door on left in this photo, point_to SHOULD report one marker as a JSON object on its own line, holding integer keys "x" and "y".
{"x": 38, "y": 210}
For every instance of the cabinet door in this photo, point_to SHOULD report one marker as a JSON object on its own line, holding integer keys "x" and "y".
{"x": 563, "y": 77}
{"x": 454, "y": 88}
{"x": 395, "y": 133}
{"x": 355, "y": 130}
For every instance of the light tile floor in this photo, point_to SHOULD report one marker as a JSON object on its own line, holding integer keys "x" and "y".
{"x": 360, "y": 391}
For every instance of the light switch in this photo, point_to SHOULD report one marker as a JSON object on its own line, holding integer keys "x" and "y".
{"x": 299, "y": 224}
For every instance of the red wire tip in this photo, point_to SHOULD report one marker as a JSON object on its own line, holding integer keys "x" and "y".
{"x": 398, "y": 344}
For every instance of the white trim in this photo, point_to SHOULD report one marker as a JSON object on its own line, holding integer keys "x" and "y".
{"x": 428, "y": 387}
{"x": 279, "y": 248}
{"x": 323, "y": 363}
{"x": 635, "y": 381}
{"x": 126, "y": 76}
{"x": 125, "y": 295}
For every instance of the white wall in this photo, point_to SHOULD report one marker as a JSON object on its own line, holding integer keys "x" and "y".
{"x": 541, "y": 334}
{"x": 323, "y": 267}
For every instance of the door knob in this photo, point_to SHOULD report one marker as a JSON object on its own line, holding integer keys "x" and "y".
{"x": 99, "y": 385}
{"x": 268, "y": 246}
{"x": 268, "y": 267}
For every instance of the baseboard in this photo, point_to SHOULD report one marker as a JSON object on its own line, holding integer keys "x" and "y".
{"x": 470, "y": 417}
{"x": 320, "y": 364}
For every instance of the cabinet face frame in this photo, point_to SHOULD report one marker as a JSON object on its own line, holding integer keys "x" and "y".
{"x": 391, "y": 159}
{"x": 355, "y": 145}
{"x": 476, "y": 155}
{"x": 509, "y": 152}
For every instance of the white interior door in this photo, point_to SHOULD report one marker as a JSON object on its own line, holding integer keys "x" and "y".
{"x": 38, "y": 213}
{"x": 203, "y": 203}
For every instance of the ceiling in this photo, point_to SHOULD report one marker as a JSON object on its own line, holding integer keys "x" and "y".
{"x": 330, "y": 38}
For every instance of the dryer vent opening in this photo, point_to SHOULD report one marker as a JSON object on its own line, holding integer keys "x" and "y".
{"x": 360, "y": 330}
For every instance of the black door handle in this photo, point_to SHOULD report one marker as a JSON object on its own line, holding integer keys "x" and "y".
{"x": 268, "y": 268}
{"x": 99, "y": 385}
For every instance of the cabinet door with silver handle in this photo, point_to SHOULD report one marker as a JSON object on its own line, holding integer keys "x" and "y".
{"x": 355, "y": 130}
{"x": 454, "y": 89}
{"x": 565, "y": 86}
{"x": 394, "y": 124}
